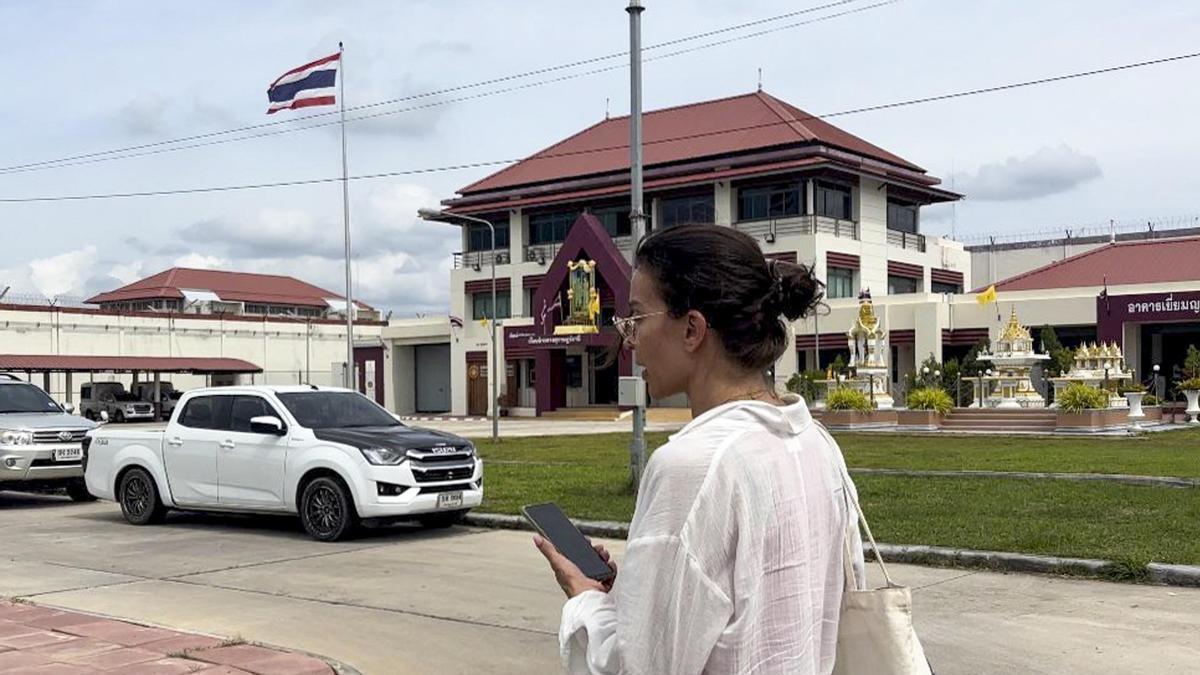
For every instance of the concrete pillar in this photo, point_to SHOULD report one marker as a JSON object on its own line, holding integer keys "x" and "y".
{"x": 810, "y": 205}
{"x": 157, "y": 395}
{"x": 928, "y": 332}
{"x": 788, "y": 363}
{"x": 724, "y": 203}
{"x": 46, "y": 383}
{"x": 70, "y": 393}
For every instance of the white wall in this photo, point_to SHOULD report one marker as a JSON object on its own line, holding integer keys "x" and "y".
{"x": 280, "y": 348}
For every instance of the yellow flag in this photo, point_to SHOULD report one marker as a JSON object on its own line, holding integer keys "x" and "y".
{"x": 987, "y": 296}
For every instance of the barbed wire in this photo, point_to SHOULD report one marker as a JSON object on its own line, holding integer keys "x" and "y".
{"x": 1069, "y": 232}
{"x": 36, "y": 299}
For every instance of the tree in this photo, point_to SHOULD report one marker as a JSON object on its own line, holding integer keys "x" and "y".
{"x": 1061, "y": 358}
{"x": 971, "y": 365}
{"x": 1191, "y": 363}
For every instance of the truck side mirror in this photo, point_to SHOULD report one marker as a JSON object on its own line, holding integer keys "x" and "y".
{"x": 104, "y": 416}
{"x": 267, "y": 424}
{"x": 69, "y": 407}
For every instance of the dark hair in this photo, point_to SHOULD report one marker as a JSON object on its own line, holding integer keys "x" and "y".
{"x": 721, "y": 273}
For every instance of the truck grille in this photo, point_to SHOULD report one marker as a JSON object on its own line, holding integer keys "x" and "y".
{"x": 455, "y": 487}
{"x": 48, "y": 436}
{"x": 443, "y": 474}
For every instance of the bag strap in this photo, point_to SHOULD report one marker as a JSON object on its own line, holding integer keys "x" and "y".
{"x": 852, "y": 500}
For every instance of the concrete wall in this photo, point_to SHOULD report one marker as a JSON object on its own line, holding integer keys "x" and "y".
{"x": 988, "y": 266}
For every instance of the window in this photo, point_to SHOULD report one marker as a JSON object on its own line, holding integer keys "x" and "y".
{"x": 207, "y": 412}
{"x": 832, "y": 201}
{"x": 252, "y": 308}
{"x": 902, "y": 217}
{"x": 85, "y": 392}
{"x": 686, "y": 210}
{"x": 530, "y": 373}
{"x": 839, "y": 283}
{"x": 25, "y": 398}
{"x": 479, "y": 236}
{"x": 772, "y": 201}
{"x": 547, "y": 228}
{"x": 897, "y": 285}
{"x": 615, "y": 220}
{"x": 939, "y": 287}
{"x": 482, "y": 305}
{"x": 575, "y": 372}
{"x": 246, "y": 408}
{"x": 336, "y": 409}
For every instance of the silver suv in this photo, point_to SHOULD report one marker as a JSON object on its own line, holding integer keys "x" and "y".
{"x": 41, "y": 442}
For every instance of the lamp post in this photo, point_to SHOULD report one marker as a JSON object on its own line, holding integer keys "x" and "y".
{"x": 1157, "y": 390}
{"x": 436, "y": 215}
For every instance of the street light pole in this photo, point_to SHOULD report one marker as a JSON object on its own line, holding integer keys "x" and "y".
{"x": 637, "y": 219}
{"x": 494, "y": 371}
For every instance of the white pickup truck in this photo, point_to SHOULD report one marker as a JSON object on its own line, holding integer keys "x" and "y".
{"x": 331, "y": 455}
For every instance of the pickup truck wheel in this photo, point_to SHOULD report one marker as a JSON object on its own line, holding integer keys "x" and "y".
{"x": 326, "y": 510}
{"x": 437, "y": 521}
{"x": 77, "y": 491}
{"x": 140, "y": 503}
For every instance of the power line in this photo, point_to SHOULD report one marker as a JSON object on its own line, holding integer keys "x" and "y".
{"x": 121, "y": 152}
{"x": 473, "y": 165}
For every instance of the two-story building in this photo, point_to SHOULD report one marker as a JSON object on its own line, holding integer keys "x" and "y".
{"x": 807, "y": 190}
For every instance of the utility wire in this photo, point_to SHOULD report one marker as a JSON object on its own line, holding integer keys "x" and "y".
{"x": 472, "y": 165}
{"x": 121, "y": 152}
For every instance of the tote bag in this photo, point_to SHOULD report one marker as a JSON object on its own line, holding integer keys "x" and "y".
{"x": 875, "y": 631}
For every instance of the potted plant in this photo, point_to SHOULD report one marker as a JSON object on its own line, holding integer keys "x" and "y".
{"x": 926, "y": 406}
{"x": 1081, "y": 406}
{"x": 847, "y": 407}
{"x": 1134, "y": 393}
{"x": 1191, "y": 389}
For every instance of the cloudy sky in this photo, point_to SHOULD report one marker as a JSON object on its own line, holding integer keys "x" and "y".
{"x": 86, "y": 77}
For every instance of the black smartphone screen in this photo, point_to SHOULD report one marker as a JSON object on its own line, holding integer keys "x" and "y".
{"x": 553, "y": 524}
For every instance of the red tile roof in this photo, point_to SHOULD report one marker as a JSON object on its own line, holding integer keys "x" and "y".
{"x": 712, "y": 128}
{"x": 164, "y": 364}
{"x": 229, "y": 286}
{"x": 1123, "y": 263}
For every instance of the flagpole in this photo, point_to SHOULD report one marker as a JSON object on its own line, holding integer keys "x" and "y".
{"x": 350, "y": 383}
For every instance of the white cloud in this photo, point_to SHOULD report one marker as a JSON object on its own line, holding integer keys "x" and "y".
{"x": 1046, "y": 172}
{"x": 62, "y": 274}
{"x": 202, "y": 261}
{"x": 127, "y": 273}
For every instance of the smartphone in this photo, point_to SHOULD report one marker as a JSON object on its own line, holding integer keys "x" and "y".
{"x": 553, "y": 524}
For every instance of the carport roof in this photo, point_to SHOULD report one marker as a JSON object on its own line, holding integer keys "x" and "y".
{"x": 165, "y": 364}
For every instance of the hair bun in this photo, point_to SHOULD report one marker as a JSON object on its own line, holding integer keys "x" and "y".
{"x": 795, "y": 292}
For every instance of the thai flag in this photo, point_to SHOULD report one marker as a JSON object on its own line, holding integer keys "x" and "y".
{"x": 309, "y": 85}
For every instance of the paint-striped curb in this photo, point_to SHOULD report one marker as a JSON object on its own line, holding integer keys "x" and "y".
{"x": 1003, "y": 561}
{"x": 1124, "y": 479}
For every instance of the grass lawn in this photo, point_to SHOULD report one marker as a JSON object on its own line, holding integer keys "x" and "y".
{"x": 587, "y": 476}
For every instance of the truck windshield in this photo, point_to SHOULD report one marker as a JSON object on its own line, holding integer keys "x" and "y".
{"x": 335, "y": 409}
{"x": 25, "y": 398}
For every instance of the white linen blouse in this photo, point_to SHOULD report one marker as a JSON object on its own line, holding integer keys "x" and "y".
{"x": 734, "y": 562}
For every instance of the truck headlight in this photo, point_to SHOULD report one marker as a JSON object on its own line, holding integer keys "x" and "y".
{"x": 383, "y": 456}
{"x": 15, "y": 437}
{"x": 130, "y": 409}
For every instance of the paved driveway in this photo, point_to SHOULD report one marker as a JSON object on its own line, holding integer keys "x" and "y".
{"x": 401, "y": 600}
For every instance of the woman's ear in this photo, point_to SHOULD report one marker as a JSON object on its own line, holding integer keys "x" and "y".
{"x": 695, "y": 330}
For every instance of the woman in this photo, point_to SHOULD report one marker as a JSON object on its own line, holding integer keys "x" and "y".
{"x": 735, "y": 554}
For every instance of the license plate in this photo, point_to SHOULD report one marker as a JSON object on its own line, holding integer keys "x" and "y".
{"x": 449, "y": 500}
{"x": 68, "y": 454}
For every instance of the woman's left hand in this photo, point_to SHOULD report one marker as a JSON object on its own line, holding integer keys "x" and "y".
{"x": 569, "y": 577}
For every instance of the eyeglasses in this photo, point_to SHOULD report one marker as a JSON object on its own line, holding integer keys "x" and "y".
{"x": 627, "y": 326}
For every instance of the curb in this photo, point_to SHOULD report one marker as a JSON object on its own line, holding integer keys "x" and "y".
{"x": 1002, "y": 561}
{"x": 1125, "y": 479}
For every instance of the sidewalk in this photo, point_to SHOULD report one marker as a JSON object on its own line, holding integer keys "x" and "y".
{"x": 48, "y": 641}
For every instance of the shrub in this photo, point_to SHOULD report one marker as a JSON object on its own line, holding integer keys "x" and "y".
{"x": 1190, "y": 383}
{"x": 806, "y": 384}
{"x": 1151, "y": 400}
{"x": 845, "y": 398}
{"x": 1078, "y": 397}
{"x": 1130, "y": 388}
{"x": 930, "y": 398}
{"x": 1191, "y": 362}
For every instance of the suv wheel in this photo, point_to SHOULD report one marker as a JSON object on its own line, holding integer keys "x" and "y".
{"x": 119, "y": 417}
{"x": 77, "y": 491}
{"x": 326, "y": 510}
{"x": 437, "y": 521}
{"x": 138, "y": 495}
